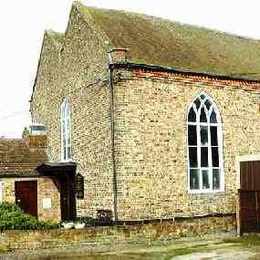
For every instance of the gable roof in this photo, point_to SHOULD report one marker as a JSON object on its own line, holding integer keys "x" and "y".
{"x": 158, "y": 41}
{"x": 20, "y": 157}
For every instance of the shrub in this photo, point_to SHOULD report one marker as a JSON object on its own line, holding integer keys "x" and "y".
{"x": 104, "y": 218}
{"x": 12, "y": 217}
{"x": 88, "y": 221}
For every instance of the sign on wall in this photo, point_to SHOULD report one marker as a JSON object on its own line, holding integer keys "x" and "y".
{"x": 79, "y": 186}
{"x": 46, "y": 203}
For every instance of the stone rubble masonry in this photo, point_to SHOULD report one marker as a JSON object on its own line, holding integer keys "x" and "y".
{"x": 151, "y": 141}
{"x": 77, "y": 70}
{"x": 150, "y": 132}
{"x": 94, "y": 237}
{"x": 9, "y": 190}
{"x": 48, "y": 190}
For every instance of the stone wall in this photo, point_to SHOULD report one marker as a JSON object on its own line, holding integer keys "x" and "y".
{"x": 151, "y": 141}
{"x": 97, "y": 236}
{"x": 8, "y": 190}
{"x": 75, "y": 68}
{"x": 46, "y": 189}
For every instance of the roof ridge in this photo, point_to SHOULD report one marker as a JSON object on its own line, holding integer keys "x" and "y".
{"x": 153, "y": 17}
{"x": 168, "y": 43}
{"x": 161, "y": 41}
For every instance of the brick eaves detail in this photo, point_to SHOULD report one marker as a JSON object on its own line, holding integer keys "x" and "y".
{"x": 191, "y": 79}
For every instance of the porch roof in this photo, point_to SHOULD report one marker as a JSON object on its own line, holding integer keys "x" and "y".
{"x": 56, "y": 168}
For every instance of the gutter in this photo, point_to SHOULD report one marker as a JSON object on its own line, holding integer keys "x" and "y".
{"x": 150, "y": 67}
{"x": 110, "y": 71}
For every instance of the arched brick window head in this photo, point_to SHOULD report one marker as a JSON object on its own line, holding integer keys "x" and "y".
{"x": 205, "y": 151}
{"x": 65, "y": 131}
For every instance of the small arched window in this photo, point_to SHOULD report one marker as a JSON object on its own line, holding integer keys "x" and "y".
{"x": 205, "y": 157}
{"x": 65, "y": 131}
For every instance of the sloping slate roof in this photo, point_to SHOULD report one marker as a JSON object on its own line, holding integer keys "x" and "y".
{"x": 162, "y": 42}
{"x": 19, "y": 158}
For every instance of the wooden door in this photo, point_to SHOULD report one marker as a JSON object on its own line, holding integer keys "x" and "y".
{"x": 26, "y": 196}
{"x": 248, "y": 211}
{"x": 249, "y": 197}
{"x": 250, "y": 176}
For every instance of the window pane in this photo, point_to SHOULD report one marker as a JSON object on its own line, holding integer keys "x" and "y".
{"x": 207, "y": 104}
{"x": 63, "y": 131}
{"x": 68, "y": 120}
{"x": 202, "y": 96}
{"x": 197, "y": 103}
{"x": 214, "y": 135}
{"x": 62, "y": 112}
{"x": 215, "y": 158}
{"x": 216, "y": 179}
{"x": 192, "y": 135}
{"x": 194, "y": 179}
{"x": 69, "y": 152}
{"x": 213, "y": 117}
{"x": 205, "y": 179}
{"x": 204, "y": 135}
{"x": 68, "y": 139}
{"x": 64, "y": 139}
{"x": 68, "y": 133}
{"x": 64, "y": 153}
{"x": 192, "y": 115}
{"x": 203, "y": 117}
{"x": 204, "y": 157}
{"x": 193, "y": 157}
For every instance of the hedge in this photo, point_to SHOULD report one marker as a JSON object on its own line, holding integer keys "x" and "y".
{"x": 13, "y": 218}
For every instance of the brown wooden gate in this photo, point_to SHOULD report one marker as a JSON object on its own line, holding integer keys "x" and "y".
{"x": 249, "y": 211}
{"x": 26, "y": 196}
{"x": 249, "y": 197}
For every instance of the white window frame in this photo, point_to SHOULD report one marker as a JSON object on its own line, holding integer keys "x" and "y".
{"x": 65, "y": 123}
{"x": 220, "y": 145}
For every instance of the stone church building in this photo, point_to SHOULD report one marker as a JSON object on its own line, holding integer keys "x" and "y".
{"x": 155, "y": 114}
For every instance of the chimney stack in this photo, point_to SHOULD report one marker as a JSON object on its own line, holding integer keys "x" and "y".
{"x": 36, "y": 136}
{"x": 117, "y": 55}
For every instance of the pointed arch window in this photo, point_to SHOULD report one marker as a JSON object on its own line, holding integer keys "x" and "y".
{"x": 205, "y": 153}
{"x": 65, "y": 131}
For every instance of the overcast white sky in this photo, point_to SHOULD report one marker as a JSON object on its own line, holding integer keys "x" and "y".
{"x": 22, "y": 25}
